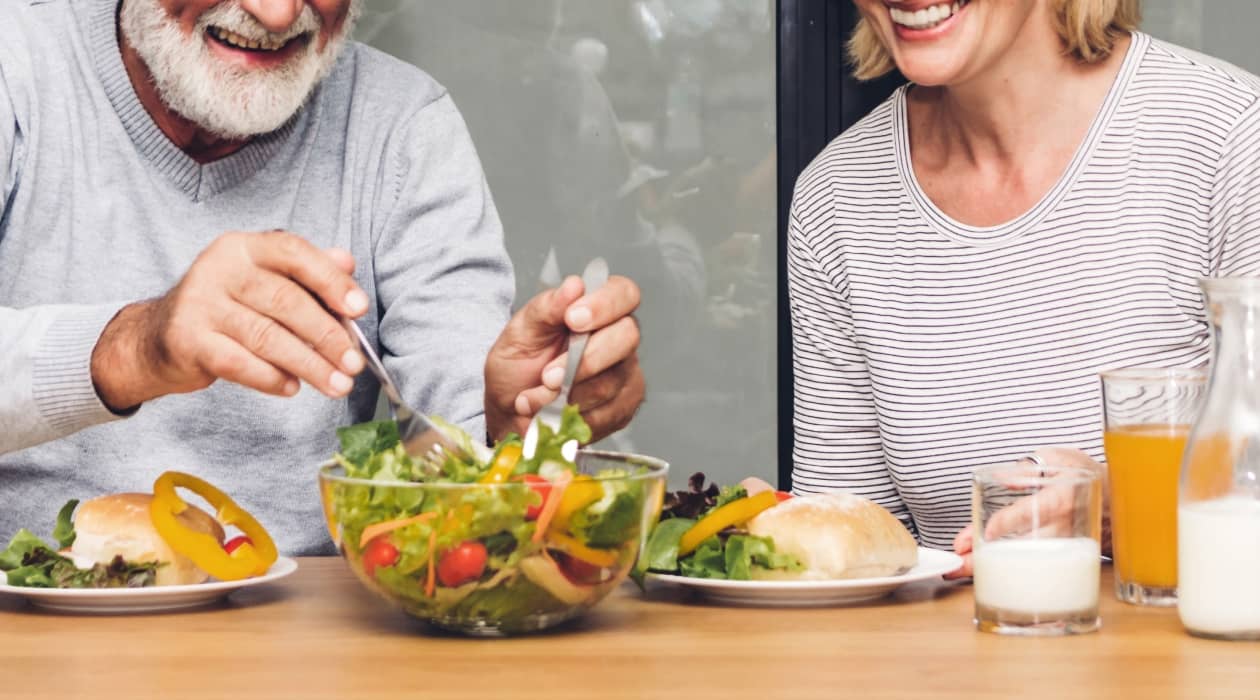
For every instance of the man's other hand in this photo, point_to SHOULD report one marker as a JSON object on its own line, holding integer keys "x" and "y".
{"x": 525, "y": 367}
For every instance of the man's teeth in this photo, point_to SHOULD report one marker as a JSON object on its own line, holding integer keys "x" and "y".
{"x": 240, "y": 42}
{"x": 927, "y": 17}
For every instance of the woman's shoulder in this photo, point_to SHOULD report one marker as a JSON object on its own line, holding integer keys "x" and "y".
{"x": 1188, "y": 75}
{"x": 859, "y": 155}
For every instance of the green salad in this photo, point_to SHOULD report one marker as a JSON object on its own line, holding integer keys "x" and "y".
{"x": 498, "y": 540}
{"x": 701, "y": 535}
{"x": 31, "y": 562}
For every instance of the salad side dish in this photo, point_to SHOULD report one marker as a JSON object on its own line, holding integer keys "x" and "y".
{"x": 499, "y": 540}
{"x": 702, "y": 534}
{"x": 750, "y": 531}
{"x": 135, "y": 540}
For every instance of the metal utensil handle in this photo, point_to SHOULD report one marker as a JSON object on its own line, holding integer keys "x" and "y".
{"x": 593, "y": 277}
{"x": 374, "y": 363}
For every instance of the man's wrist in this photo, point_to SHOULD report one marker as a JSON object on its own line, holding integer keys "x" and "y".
{"x": 118, "y": 362}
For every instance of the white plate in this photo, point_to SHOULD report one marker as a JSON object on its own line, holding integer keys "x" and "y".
{"x": 113, "y": 601}
{"x": 932, "y": 564}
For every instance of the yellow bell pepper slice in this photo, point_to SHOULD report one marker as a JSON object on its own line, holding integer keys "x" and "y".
{"x": 732, "y": 513}
{"x": 581, "y": 493}
{"x": 569, "y": 545}
{"x": 203, "y": 549}
{"x": 504, "y": 463}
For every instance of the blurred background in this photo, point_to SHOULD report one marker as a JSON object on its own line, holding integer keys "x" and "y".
{"x": 665, "y": 135}
{"x": 642, "y": 131}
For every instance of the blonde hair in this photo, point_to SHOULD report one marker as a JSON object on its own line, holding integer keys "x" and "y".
{"x": 1089, "y": 29}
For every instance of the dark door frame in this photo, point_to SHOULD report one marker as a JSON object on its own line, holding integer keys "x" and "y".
{"x": 817, "y": 99}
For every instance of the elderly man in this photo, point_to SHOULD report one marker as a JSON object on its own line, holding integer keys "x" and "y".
{"x": 193, "y": 190}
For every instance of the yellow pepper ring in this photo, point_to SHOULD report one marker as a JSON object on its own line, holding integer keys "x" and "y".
{"x": 732, "y": 513}
{"x": 203, "y": 549}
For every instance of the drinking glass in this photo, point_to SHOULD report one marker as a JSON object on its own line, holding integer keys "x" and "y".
{"x": 1037, "y": 548}
{"x": 1147, "y": 416}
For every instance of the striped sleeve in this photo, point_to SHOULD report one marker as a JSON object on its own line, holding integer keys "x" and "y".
{"x": 837, "y": 437}
{"x": 1235, "y": 207}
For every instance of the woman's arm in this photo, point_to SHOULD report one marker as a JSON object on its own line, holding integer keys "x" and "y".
{"x": 837, "y": 437}
{"x": 1235, "y": 208}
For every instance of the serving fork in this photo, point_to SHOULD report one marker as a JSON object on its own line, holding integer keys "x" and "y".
{"x": 593, "y": 277}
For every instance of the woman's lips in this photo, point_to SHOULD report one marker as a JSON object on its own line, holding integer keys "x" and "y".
{"x": 936, "y": 31}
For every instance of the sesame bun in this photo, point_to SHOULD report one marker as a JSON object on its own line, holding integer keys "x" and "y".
{"x": 119, "y": 525}
{"x": 836, "y": 536}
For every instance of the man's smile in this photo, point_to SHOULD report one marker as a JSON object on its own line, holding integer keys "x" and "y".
{"x": 266, "y": 51}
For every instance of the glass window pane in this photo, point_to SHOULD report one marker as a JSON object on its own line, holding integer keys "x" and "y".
{"x": 643, "y": 131}
{"x": 1221, "y": 28}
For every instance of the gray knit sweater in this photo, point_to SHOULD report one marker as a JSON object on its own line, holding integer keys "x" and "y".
{"x": 98, "y": 208}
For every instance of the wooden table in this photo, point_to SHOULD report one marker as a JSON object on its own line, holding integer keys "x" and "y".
{"x": 319, "y": 634}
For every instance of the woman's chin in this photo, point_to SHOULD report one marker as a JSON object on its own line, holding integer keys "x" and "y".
{"x": 924, "y": 68}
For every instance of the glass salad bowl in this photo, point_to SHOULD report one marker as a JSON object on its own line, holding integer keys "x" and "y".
{"x": 494, "y": 559}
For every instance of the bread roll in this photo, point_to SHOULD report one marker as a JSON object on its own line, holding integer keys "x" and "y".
{"x": 119, "y": 525}
{"x": 836, "y": 536}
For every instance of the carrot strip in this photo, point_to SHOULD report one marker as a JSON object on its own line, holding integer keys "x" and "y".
{"x": 549, "y": 508}
{"x": 430, "y": 580}
{"x": 376, "y": 529}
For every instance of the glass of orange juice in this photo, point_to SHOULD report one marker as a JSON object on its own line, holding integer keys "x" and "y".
{"x": 1147, "y": 416}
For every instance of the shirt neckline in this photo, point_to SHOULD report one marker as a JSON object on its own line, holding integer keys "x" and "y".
{"x": 1025, "y": 222}
{"x": 196, "y": 180}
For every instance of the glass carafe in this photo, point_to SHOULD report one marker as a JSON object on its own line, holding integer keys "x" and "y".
{"x": 1218, "y": 514}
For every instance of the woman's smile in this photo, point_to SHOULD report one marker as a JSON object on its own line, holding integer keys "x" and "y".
{"x": 925, "y": 23}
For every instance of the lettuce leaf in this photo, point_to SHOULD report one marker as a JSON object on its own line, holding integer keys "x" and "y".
{"x": 661, "y": 554}
{"x": 743, "y": 552}
{"x": 708, "y": 561}
{"x": 613, "y": 520}
{"x": 360, "y": 442}
{"x": 730, "y": 493}
{"x": 29, "y": 561}
{"x": 22, "y": 544}
{"x": 64, "y": 531}
{"x": 693, "y": 502}
{"x": 507, "y": 603}
{"x": 733, "y": 558}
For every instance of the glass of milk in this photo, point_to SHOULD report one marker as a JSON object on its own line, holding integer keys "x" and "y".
{"x": 1036, "y": 548}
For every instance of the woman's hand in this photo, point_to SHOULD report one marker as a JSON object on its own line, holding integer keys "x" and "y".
{"x": 1019, "y": 516}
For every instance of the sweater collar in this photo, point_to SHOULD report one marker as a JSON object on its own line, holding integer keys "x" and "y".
{"x": 99, "y": 19}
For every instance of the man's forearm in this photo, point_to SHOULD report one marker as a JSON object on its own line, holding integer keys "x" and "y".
{"x": 46, "y": 389}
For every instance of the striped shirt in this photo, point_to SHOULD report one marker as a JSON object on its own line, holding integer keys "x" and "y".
{"x": 924, "y": 348}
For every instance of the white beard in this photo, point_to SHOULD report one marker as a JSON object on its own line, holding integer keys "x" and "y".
{"x": 225, "y": 100}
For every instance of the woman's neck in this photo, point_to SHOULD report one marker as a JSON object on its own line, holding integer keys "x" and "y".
{"x": 1035, "y": 100}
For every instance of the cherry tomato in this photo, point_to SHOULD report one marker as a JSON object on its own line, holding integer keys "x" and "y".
{"x": 542, "y": 487}
{"x": 379, "y": 552}
{"x": 466, "y": 562}
{"x": 231, "y": 545}
{"x": 782, "y": 495}
{"x": 577, "y": 571}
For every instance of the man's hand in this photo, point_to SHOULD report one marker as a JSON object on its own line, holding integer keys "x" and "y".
{"x": 1053, "y": 515}
{"x": 525, "y": 367}
{"x": 252, "y": 309}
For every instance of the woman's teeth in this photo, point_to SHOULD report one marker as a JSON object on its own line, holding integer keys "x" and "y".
{"x": 240, "y": 42}
{"x": 928, "y": 17}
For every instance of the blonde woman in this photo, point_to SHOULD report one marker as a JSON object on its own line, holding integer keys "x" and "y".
{"x": 1035, "y": 207}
